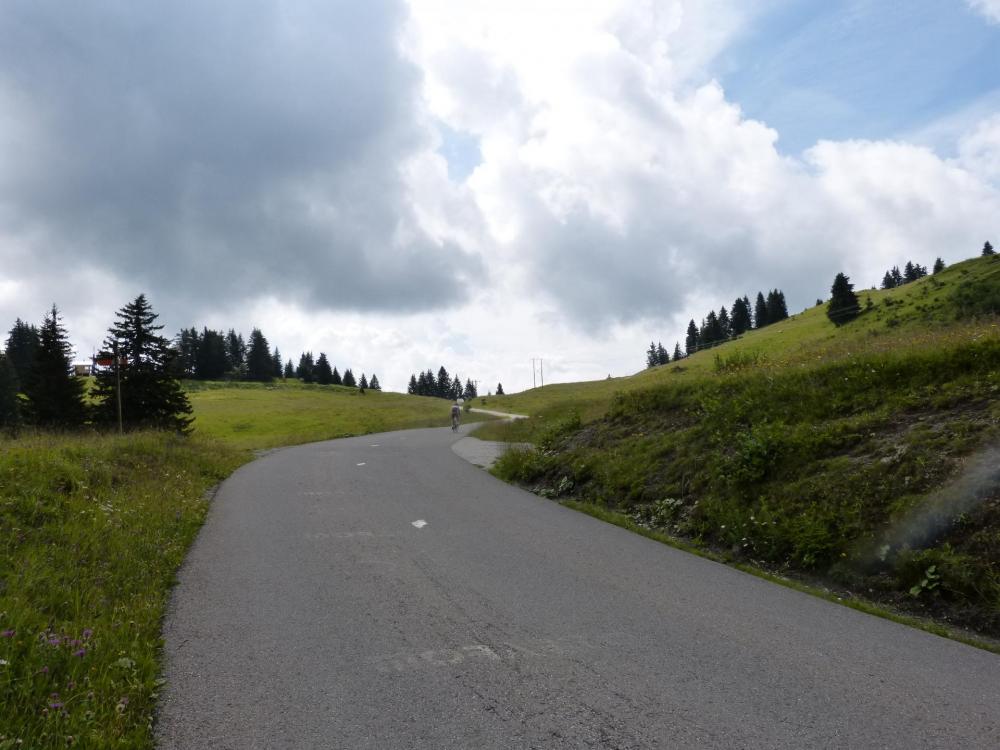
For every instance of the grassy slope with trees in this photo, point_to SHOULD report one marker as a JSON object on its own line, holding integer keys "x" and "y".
{"x": 863, "y": 456}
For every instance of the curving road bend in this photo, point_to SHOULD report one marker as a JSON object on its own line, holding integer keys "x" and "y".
{"x": 381, "y": 592}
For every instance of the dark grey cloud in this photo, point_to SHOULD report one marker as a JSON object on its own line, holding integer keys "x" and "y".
{"x": 210, "y": 152}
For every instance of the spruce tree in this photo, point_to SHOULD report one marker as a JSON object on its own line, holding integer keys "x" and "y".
{"x": 22, "y": 343}
{"x": 909, "y": 272}
{"x": 844, "y": 306}
{"x": 336, "y": 379}
{"x": 54, "y": 396}
{"x": 304, "y": 371}
{"x": 363, "y": 383}
{"x": 725, "y": 324}
{"x": 151, "y": 396}
{"x": 662, "y": 357}
{"x": 289, "y": 370}
{"x": 412, "y": 387}
{"x": 259, "y": 363}
{"x": 776, "y": 307}
{"x": 652, "y": 360}
{"x": 938, "y": 265}
{"x": 276, "y": 369}
{"x": 740, "y": 320}
{"x": 470, "y": 391}
{"x": 443, "y": 384}
{"x": 188, "y": 342}
{"x": 887, "y": 281}
{"x": 760, "y": 312}
{"x": 374, "y": 384}
{"x": 322, "y": 371}
{"x": 455, "y": 389}
{"x": 348, "y": 379}
{"x": 211, "y": 361}
{"x": 237, "y": 352}
{"x": 897, "y": 277}
{"x": 677, "y": 351}
{"x": 691, "y": 343}
{"x": 10, "y": 411}
{"x": 712, "y": 333}
{"x": 988, "y": 249}
{"x": 500, "y": 389}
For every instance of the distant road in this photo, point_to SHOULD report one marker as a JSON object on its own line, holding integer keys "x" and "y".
{"x": 380, "y": 592}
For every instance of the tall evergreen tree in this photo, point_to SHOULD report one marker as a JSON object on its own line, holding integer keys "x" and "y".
{"x": 276, "y": 369}
{"x": 897, "y": 277}
{"x": 363, "y": 383}
{"x": 677, "y": 351}
{"x": 455, "y": 389}
{"x": 322, "y": 371}
{"x": 412, "y": 387}
{"x": 10, "y": 411}
{"x": 662, "y": 357}
{"x": 443, "y": 384}
{"x": 211, "y": 361}
{"x": 54, "y": 396}
{"x": 888, "y": 282}
{"x": 470, "y": 390}
{"x": 188, "y": 342}
{"x": 725, "y": 324}
{"x": 500, "y": 389}
{"x": 741, "y": 320}
{"x": 938, "y": 265}
{"x": 348, "y": 378}
{"x": 374, "y": 384}
{"x": 150, "y": 394}
{"x": 760, "y": 312}
{"x": 776, "y": 307}
{"x": 22, "y": 343}
{"x": 652, "y": 360}
{"x": 712, "y": 330}
{"x": 304, "y": 371}
{"x": 988, "y": 249}
{"x": 335, "y": 378}
{"x": 259, "y": 363}
{"x": 909, "y": 272}
{"x": 844, "y": 306}
{"x": 237, "y": 352}
{"x": 691, "y": 343}
{"x": 289, "y": 370}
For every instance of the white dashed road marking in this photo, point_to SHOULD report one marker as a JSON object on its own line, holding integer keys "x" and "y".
{"x": 361, "y": 464}
{"x": 420, "y": 524}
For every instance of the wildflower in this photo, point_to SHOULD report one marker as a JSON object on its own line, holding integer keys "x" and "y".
{"x": 87, "y": 632}
{"x": 4, "y": 662}
{"x": 80, "y": 653}
{"x": 7, "y": 634}
{"x": 43, "y": 670}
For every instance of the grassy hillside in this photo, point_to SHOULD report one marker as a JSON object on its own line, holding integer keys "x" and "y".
{"x": 865, "y": 456}
{"x": 257, "y": 415}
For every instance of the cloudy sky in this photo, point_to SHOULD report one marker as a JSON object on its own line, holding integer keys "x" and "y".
{"x": 409, "y": 183}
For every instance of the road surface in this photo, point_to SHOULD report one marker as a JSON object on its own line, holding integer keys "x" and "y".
{"x": 381, "y": 592}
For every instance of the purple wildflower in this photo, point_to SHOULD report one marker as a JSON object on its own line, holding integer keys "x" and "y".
{"x": 87, "y": 632}
{"x": 81, "y": 653}
{"x": 7, "y": 634}
{"x": 43, "y": 670}
{"x": 54, "y": 705}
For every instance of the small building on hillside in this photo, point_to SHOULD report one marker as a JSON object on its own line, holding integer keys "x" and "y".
{"x": 82, "y": 370}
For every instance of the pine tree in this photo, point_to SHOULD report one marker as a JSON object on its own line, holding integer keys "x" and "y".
{"x": 776, "y": 307}
{"x": 692, "y": 342}
{"x": 887, "y": 281}
{"x": 909, "y": 272}
{"x": 897, "y": 277}
{"x": 188, "y": 342}
{"x": 289, "y": 370}
{"x": 740, "y": 321}
{"x": 500, "y": 389}
{"x": 276, "y": 369}
{"x": 938, "y": 265}
{"x": 304, "y": 371}
{"x": 55, "y": 397}
{"x": 443, "y": 384}
{"x": 322, "y": 371}
{"x": 259, "y": 363}
{"x": 677, "y": 352}
{"x": 844, "y": 306}
{"x": 412, "y": 387}
{"x": 760, "y": 312}
{"x": 374, "y": 384}
{"x": 348, "y": 379}
{"x": 988, "y": 249}
{"x": 363, "y": 383}
{"x": 237, "y": 352}
{"x": 150, "y": 395}
{"x": 470, "y": 391}
{"x": 725, "y": 324}
{"x": 10, "y": 411}
{"x": 211, "y": 361}
{"x": 652, "y": 359}
{"x": 455, "y": 389}
{"x": 336, "y": 379}
{"x": 662, "y": 357}
{"x": 22, "y": 343}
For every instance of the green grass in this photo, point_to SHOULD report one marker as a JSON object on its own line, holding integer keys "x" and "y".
{"x": 260, "y": 416}
{"x": 806, "y": 448}
{"x": 92, "y": 530}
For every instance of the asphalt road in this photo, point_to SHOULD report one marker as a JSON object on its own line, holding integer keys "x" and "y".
{"x": 317, "y": 611}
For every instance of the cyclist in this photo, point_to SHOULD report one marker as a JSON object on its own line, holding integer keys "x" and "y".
{"x": 455, "y": 413}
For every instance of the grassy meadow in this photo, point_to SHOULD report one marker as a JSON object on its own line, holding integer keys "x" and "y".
{"x": 268, "y": 415}
{"x": 863, "y": 457}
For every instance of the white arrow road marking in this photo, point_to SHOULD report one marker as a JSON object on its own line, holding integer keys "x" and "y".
{"x": 420, "y": 524}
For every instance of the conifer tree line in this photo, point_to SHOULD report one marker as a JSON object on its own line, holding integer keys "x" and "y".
{"x": 213, "y": 355}
{"x": 911, "y": 272}
{"x": 718, "y": 327}
{"x": 443, "y": 385}
{"x": 136, "y": 384}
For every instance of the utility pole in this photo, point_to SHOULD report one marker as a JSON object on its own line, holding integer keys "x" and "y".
{"x": 541, "y": 371}
{"x": 118, "y": 387}
{"x": 533, "y": 383}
